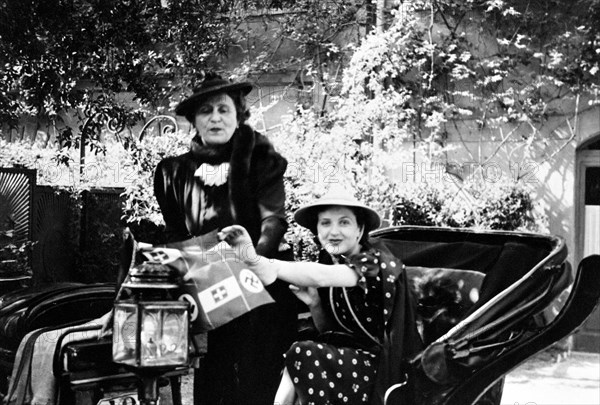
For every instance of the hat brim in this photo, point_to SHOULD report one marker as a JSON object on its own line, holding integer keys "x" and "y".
{"x": 307, "y": 216}
{"x": 188, "y": 106}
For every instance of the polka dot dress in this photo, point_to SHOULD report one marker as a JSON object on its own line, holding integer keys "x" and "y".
{"x": 325, "y": 373}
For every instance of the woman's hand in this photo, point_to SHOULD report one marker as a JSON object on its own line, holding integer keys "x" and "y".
{"x": 238, "y": 238}
{"x": 308, "y": 295}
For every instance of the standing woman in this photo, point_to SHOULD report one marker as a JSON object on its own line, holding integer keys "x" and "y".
{"x": 231, "y": 175}
{"x": 362, "y": 307}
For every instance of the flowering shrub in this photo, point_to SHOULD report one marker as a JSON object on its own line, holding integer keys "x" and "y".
{"x": 498, "y": 68}
{"x": 315, "y": 162}
{"x": 109, "y": 169}
{"x": 140, "y": 203}
{"x": 423, "y": 206}
{"x": 131, "y": 170}
{"x": 321, "y": 154}
{"x": 412, "y": 87}
{"x": 502, "y": 206}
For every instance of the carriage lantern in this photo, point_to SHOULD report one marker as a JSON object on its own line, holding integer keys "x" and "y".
{"x": 150, "y": 329}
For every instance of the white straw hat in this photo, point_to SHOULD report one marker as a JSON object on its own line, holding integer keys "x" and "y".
{"x": 307, "y": 215}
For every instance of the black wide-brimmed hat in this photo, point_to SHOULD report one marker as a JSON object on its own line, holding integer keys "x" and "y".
{"x": 210, "y": 87}
{"x": 308, "y": 215}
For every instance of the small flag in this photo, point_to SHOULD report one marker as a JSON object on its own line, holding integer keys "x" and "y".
{"x": 223, "y": 288}
{"x": 219, "y": 294}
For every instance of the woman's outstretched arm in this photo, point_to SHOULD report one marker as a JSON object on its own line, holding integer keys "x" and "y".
{"x": 304, "y": 274}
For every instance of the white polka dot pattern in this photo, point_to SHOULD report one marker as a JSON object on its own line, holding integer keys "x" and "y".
{"x": 326, "y": 374}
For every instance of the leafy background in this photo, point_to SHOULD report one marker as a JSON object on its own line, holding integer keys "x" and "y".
{"x": 394, "y": 89}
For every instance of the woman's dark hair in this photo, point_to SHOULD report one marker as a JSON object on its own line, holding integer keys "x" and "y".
{"x": 239, "y": 101}
{"x": 360, "y": 221}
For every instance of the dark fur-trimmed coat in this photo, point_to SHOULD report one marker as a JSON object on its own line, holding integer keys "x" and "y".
{"x": 240, "y": 182}
{"x": 205, "y": 189}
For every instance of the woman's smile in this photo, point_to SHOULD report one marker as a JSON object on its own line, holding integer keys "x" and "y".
{"x": 338, "y": 231}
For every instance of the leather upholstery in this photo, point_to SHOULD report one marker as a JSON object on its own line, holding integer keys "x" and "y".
{"x": 53, "y": 305}
{"x": 444, "y": 297}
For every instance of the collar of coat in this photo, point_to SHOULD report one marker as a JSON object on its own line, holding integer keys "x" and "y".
{"x": 238, "y": 152}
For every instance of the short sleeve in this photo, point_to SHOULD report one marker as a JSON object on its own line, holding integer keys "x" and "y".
{"x": 367, "y": 266}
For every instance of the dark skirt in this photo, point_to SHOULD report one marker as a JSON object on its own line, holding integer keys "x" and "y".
{"x": 244, "y": 358}
{"x": 326, "y": 374}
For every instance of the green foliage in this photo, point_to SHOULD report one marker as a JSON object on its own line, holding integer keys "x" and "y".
{"x": 422, "y": 206}
{"x": 15, "y": 259}
{"x": 499, "y": 69}
{"x": 23, "y": 154}
{"x": 139, "y": 202}
{"x": 508, "y": 207}
{"x": 333, "y": 157}
{"x": 496, "y": 70}
{"x": 60, "y": 59}
{"x": 97, "y": 253}
{"x": 112, "y": 169}
{"x": 482, "y": 65}
{"x": 78, "y": 57}
{"x": 96, "y": 224}
{"x": 315, "y": 161}
{"x": 504, "y": 205}
{"x": 320, "y": 33}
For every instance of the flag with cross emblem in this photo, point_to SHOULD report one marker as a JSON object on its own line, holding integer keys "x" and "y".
{"x": 223, "y": 288}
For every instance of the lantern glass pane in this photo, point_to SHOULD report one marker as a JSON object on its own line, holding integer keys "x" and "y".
{"x": 164, "y": 335}
{"x": 174, "y": 335}
{"x": 124, "y": 333}
{"x": 150, "y": 335}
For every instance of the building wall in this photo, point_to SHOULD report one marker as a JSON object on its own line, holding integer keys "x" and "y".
{"x": 555, "y": 183}
{"x": 550, "y": 174}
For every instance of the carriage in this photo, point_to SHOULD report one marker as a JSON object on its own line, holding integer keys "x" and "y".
{"x": 487, "y": 301}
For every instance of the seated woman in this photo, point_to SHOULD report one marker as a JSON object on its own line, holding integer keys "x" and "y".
{"x": 359, "y": 300}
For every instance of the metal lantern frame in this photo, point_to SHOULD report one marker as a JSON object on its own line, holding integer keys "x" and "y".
{"x": 147, "y": 295}
{"x": 138, "y": 337}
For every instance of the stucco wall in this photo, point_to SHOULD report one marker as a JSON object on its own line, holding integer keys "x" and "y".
{"x": 549, "y": 168}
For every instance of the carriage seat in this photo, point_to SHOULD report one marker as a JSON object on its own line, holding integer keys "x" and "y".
{"x": 54, "y": 305}
{"x": 444, "y": 297}
{"x": 47, "y": 306}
